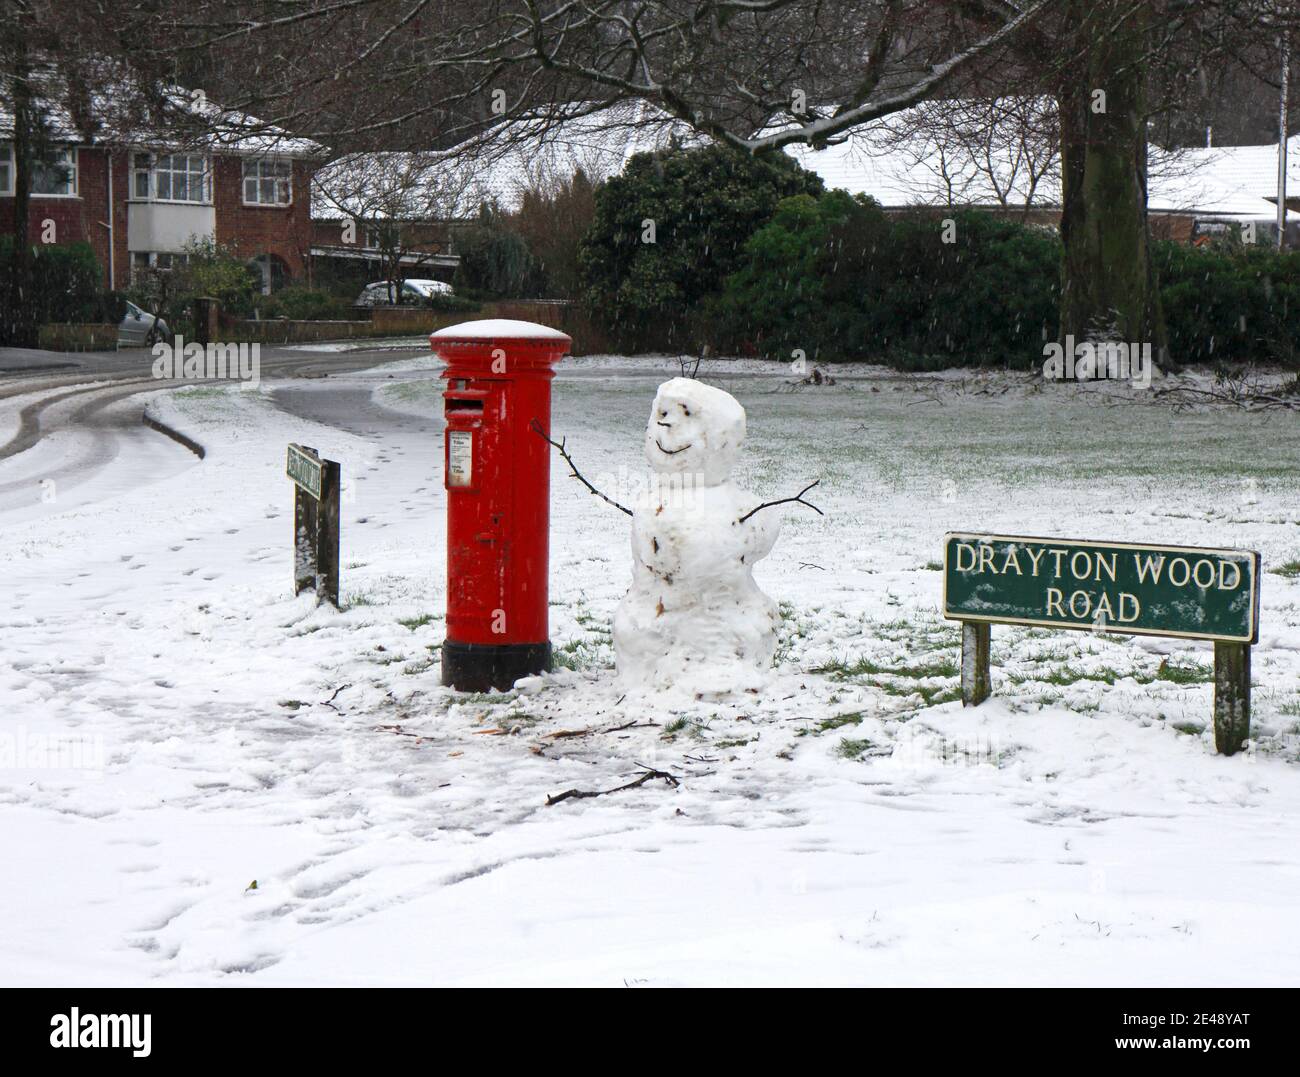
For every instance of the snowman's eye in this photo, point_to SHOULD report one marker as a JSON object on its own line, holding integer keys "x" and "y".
{"x": 685, "y": 410}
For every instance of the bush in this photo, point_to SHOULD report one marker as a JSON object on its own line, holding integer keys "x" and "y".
{"x": 1230, "y": 304}
{"x": 305, "y": 304}
{"x": 343, "y": 278}
{"x": 495, "y": 262}
{"x": 211, "y": 270}
{"x": 67, "y": 282}
{"x": 452, "y": 303}
{"x": 838, "y": 279}
{"x": 553, "y": 217}
{"x": 703, "y": 205}
{"x": 111, "y": 308}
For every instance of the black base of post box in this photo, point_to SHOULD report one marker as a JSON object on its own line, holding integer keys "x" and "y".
{"x": 485, "y": 667}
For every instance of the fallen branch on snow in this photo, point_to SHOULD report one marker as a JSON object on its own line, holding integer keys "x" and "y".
{"x": 586, "y": 794}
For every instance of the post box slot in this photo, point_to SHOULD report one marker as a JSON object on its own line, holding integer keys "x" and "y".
{"x": 455, "y": 404}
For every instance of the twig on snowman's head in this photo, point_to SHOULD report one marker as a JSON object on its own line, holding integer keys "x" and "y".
{"x": 786, "y": 501}
{"x": 681, "y": 362}
{"x": 536, "y": 428}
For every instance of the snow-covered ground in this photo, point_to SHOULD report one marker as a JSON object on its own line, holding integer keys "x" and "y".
{"x": 175, "y": 725}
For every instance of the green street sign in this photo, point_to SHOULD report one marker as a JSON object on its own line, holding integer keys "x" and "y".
{"x": 1186, "y": 591}
{"x": 304, "y": 470}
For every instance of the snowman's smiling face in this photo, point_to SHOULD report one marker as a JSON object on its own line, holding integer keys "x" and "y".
{"x": 673, "y": 418}
{"x": 694, "y": 429}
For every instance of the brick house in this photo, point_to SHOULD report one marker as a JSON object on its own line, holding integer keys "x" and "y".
{"x": 139, "y": 198}
{"x": 424, "y": 248}
{"x": 400, "y": 209}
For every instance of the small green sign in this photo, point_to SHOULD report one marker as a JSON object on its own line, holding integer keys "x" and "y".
{"x": 1187, "y": 591}
{"x": 304, "y": 470}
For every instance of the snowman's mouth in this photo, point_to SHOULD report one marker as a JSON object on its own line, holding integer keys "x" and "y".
{"x": 671, "y": 452}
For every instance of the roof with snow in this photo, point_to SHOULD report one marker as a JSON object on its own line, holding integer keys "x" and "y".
{"x": 499, "y": 166}
{"x": 393, "y": 186}
{"x": 186, "y": 119}
{"x": 899, "y": 163}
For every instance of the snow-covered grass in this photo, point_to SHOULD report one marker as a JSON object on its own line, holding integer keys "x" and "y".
{"x": 853, "y": 825}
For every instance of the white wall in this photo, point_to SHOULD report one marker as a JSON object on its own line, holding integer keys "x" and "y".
{"x": 164, "y": 226}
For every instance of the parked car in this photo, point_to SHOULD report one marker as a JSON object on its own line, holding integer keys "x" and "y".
{"x": 141, "y": 327}
{"x": 413, "y": 292}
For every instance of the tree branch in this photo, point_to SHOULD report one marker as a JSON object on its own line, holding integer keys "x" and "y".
{"x": 586, "y": 794}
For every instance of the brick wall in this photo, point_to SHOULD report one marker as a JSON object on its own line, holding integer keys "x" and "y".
{"x": 83, "y": 218}
{"x": 588, "y": 339}
{"x": 1175, "y": 226}
{"x": 284, "y": 231}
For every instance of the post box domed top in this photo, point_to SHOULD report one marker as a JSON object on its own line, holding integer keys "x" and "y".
{"x": 500, "y": 346}
{"x": 499, "y": 329}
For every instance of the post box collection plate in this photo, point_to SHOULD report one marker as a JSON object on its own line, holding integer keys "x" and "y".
{"x": 460, "y": 458}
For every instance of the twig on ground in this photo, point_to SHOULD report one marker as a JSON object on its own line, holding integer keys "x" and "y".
{"x": 536, "y": 428}
{"x": 330, "y": 702}
{"x": 565, "y": 734}
{"x": 1239, "y": 395}
{"x": 787, "y": 501}
{"x": 585, "y": 794}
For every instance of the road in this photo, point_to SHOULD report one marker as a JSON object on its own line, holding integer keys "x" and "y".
{"x": 66, "y": 418}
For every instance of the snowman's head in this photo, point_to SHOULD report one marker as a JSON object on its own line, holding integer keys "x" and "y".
{"x": 694, "y": 429}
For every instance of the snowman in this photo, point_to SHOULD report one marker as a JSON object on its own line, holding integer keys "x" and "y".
{"x": 694, "y": 618}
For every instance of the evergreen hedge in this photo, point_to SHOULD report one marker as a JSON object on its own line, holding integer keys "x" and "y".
{"x": 669, "y": 230}
{"x": 748, "y": 266}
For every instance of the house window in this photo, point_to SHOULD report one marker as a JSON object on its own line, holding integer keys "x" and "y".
{"x": 57, "y": 176}
{"x": 170, "y": 177}
{"x": 268, "y": 182}
{"x": 142, "y": 262}
{"x": 382, "y": 236}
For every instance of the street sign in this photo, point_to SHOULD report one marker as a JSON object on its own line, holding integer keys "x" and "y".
{"x": 315, "y": 523}
{"x": 1190, "y": 592}
{"x": 304, "y": 470}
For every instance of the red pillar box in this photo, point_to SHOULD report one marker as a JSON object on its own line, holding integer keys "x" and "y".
{"x": 497, "y": 473}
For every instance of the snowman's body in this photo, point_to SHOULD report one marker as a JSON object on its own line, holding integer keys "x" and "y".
{"x": 694, "y": 617}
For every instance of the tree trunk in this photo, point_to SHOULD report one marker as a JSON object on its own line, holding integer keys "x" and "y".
{"x": 19, "y": 326}
{"x": 1108, "y": 285}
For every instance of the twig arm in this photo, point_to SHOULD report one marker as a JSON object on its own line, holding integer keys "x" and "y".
{"x": 787, "y": 501}
{"x": 536, "y": 428}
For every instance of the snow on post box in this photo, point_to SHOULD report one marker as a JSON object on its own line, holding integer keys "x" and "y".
{"x": 497, "y": 473}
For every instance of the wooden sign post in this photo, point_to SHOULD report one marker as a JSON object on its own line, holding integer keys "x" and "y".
{"x": 315, "y": 523}
{"x": 1189, "y": 592}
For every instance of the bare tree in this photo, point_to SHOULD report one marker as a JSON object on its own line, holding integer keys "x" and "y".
{"x": 400, "y": 205}
{"x": 756, "y": 75}
{"x": 977, "y": 150}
